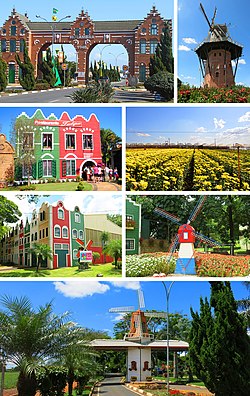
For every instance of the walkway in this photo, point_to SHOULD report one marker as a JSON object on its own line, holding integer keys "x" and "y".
{"x": 112, "y": 387}
{"x": 106, "y": 186}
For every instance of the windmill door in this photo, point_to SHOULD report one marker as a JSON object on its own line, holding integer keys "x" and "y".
{"x": 11, "y": 73}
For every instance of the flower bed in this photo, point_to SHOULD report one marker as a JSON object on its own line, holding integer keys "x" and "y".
{"x": 221, "y": 265}
{"x": 236, "y": 94}
{"x": 149, "y": 264}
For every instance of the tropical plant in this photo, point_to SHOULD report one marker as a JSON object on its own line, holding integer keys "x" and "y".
{"x": 114, "y": 249}
{"x": 95, "y": 256}
{"x": 26, "y": 78}
{"x": 30, "y": 337}
{"x": 109, "y": 141}
{"x": 95, "y": 92}
{"x": 104, "y": 239}
{"x": 42, "y": 252}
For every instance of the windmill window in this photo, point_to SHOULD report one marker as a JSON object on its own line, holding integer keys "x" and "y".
{"x": 219, "y": 53}
{"x": 217, "y": 74}
{"x": 133, "y": 365}
{"x": 215, "y": 54}
{"x": 185, "y": 235}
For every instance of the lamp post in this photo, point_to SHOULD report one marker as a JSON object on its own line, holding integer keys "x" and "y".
{"x": 167, "y": 291}
{"x": 116, "y": 57}
{"x": 101, "y": 51}
{"x": 53, "y": 25}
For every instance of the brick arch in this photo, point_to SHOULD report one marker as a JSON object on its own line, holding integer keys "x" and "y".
{"x": 84, "y": 33}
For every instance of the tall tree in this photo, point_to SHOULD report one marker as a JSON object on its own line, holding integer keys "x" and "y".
{"x": 109, "y": 141}
{"x": 9, "y": 213}
{"x": 47, "y": 67}
{"x": 42, "y": 253}
{"x": 163, "y": 59}
{"x": 30, "y": 337}
{"x": 26, "y": 78}
{"x": 114, "y": 249}
{"x": 3, "y": 77}
{"x": 219, "y": 346}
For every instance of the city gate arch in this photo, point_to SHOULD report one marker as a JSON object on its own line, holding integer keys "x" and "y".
{"x": 139, "y": 37}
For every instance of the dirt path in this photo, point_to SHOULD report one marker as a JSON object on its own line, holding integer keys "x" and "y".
{"x": 106, "y": 186}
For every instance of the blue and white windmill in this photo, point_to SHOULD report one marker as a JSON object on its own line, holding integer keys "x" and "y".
{"x": 186, "y": 237}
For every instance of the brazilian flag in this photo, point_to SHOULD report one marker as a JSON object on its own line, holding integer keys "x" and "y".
{"x": 55, "y": 11}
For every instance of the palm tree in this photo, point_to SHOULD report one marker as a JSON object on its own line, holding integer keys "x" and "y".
{"x": 29, "y": 338}
{"x": 109, "y": 141}
{"x": 104, "y": 239}
{"x": 114, "y": 249}
{"x": 42, "y": 253}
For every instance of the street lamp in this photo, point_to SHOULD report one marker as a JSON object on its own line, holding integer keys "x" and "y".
{"x": 53, "y": 25}
{"x": 116, "y": 57}
{"x": 167, "y": 291}
{"x": 101, "y": 51}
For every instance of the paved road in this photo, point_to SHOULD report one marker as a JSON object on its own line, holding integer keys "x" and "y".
{"x": 61, "y": 96}
{"x": 112, "y": 387}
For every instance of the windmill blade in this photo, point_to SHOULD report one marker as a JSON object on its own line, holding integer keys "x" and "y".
{"x": 155, "y": 314}
{"x": 167, "y": 215}
{"x": 173, "y": 246}
{"x": 215, "y": 12}
{"x": 197, "y": 209}
{"x": 205, "y": 15}
{"x": 207, "y": 240}
{"x": 141, "y": 298}
{"x": 122, "y": 309}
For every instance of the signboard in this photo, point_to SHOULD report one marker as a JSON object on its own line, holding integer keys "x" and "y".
{"x": 61, "y": 57}
{"x": 124, "y": 67}
{"x": 59, "y": 123}
{"x": 64, "y": 66}
{"x": 86, "y": 256}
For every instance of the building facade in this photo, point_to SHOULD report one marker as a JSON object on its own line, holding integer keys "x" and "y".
{"x": 133, "y": 227}
{"x": 139, "y": 38}
{"x": 7, "y": 153}
{"x": 63, "y": 230}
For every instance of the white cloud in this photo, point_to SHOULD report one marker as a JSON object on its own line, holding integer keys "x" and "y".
{"x": 118, "y": 317}
{"x": 75, "y": 289}
{"x": 241, "y": 62}
{"x": 127, "y": 285}
{"x": 95, "y": 204}
{"x": 236, "y": 132}
{"x": 219, "y": 124}
{"x": 143, "y": 134}
{"x": 200, "y": 129}
{"x": 189, "y": 40}
{"x": 245, "y": 117}
{"x": 183, "y": 48}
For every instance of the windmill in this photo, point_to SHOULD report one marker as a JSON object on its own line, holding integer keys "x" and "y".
{"x": 216, "y": 53}
{"x": 138, "y": 325}
{"x": 186, "y": 237}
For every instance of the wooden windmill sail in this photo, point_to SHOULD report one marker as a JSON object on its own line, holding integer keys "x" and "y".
{"x": 185, "y": 238}
{"x": 216, "y": 54}
{"x": 138, "y": 331}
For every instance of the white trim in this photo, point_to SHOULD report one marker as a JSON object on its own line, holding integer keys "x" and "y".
{"x": 60, "y": 218}
{"x": 57, "y": 225}
{"x": 46, "y": 148}
{"x": 92, "y": 136}
{"x": 70, "y": 133}
{"x": 48, "y": 155}
{"x": 74, "y": 229}
{"x": 68, "y": 156}
{"x": 65, "y": 228}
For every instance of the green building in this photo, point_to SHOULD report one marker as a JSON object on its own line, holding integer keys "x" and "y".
{"x": 77, "y": 232}
{"x": 133, "y": 227}
{"x": 37, "y": 147}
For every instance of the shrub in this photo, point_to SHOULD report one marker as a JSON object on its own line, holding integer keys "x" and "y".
{"x": 80, "y": 187}
{"x": 3, "y": 77}
{"x": 235, "y": 94}
{"x": 42, "y": 85}
{"x": 95, "y": 256}
{"x": 221, "y": 265}
{"x": 52, "y": 381}
{"x": 95, "y": 92}
{"x": 162, "y": 83}
{"x": 148, "y": 265}
{"x": 27, "y": 78}
{"x": 27, "y": 188}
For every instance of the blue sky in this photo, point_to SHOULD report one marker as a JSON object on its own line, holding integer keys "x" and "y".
{"x": 88, "y": 203}
{"x": 109, "y": 117}
{"x": 189, "y": 125}
{"x": 89, "y": 301}
{"x": 98, "y": 10}
{"x": 193, "y": 29}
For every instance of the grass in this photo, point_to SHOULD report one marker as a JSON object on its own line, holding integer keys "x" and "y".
{"x": 181, "y": 381}
{"x": 70, "y": 186}
{"x": 107, "y": 270}
{"x": 10, "y": 379}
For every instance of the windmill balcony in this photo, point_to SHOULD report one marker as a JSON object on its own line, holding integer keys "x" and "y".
{"x": 130, "y": 224}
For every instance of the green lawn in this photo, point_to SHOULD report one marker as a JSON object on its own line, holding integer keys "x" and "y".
{"x": 107, "y": 270}
{"x": 70, "y": 186}
{"x": 10, "y": 379}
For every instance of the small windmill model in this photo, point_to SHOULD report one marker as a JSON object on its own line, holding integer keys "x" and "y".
{"x": 186, "y": 237}
{"x": 138, "y": 325}
{"x": 216, "y": 53}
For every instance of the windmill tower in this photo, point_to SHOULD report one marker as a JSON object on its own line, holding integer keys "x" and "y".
{"x": 186, "y": 237}
{"x": 139, "y": 354}
{"x": 216, "y": 53}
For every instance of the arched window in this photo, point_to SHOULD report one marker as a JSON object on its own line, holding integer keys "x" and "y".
{"x": 142, "y": 46}
{"x": 74, "y": 234}
{"x": 133, "y": 365}
{"x": 60, "y": 214}
{"x": 65, "y": 232}
{"x": 57, "y": 231}
{"x": 12, "y": 45}
{"x": 3, "y": 45}
{"x": 75, "y": 254}
{"x": 13, "y": 30}
{"x": 77, "y": 218}
{"x": 142, "y": 72}
{"x": 81, "y": 234}
{"x": 153, "y": 29}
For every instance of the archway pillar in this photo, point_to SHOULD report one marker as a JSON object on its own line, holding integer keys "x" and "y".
{"x": 81, "y": 64}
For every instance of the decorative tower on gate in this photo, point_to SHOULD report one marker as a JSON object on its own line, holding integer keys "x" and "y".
{"x": 216, "y": 54}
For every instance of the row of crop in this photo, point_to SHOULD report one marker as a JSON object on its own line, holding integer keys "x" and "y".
{"x": 157, "y": 169}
